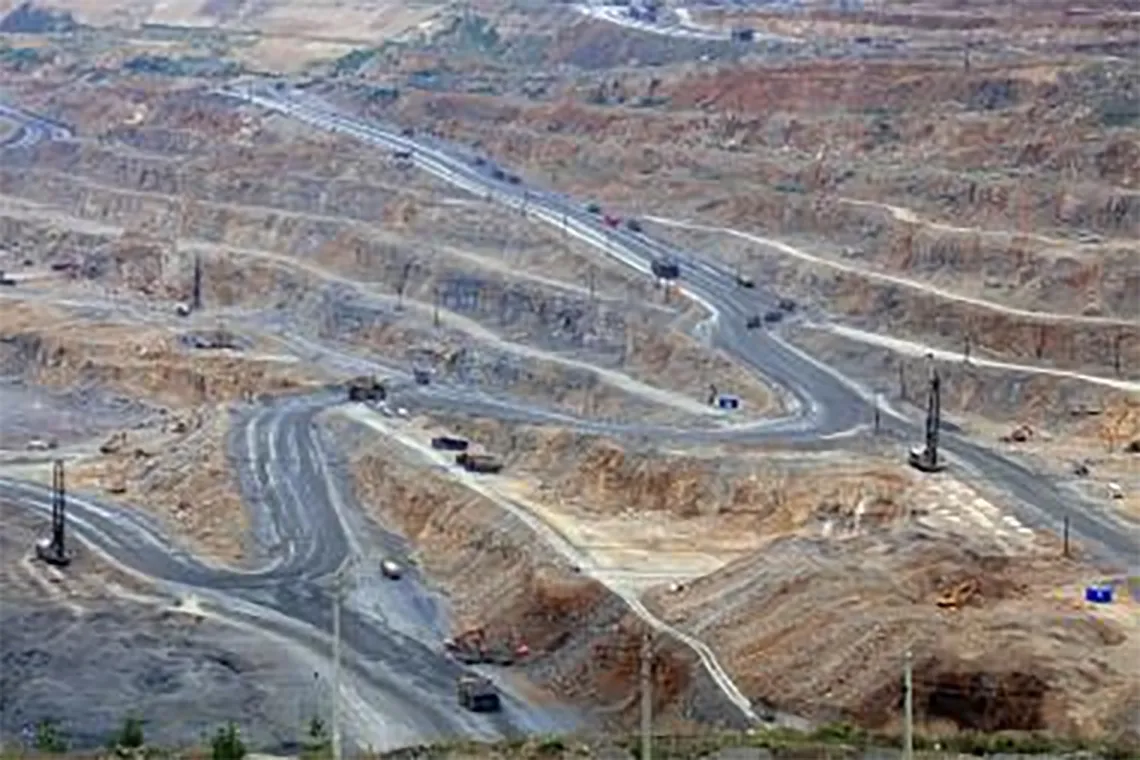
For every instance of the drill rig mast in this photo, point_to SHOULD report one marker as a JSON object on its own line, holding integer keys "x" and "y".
{"x": 53, "y": 550}
{"x": 926, "y": 458}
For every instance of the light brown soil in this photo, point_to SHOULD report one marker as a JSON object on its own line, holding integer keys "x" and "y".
{"x": 180, "y": 474}
{"x": 821, "y": 629}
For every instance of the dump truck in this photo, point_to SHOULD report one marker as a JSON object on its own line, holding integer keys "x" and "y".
{"x": 366, "y": 389}
{"x": 449, "y": 443}
{"x": 479, "y": 462}
{"x": 666, "y": 269}
{"x": 478, "y": 693}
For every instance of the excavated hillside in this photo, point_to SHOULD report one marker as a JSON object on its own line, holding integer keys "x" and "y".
{"x": 999, "y": 643}
{"x": 1013, "y": 185}
{"x": 498, "y": 574}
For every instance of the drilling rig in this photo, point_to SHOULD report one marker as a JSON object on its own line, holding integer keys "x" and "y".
{"x": 53, "y": 550}
{"x": 926, "y": 458}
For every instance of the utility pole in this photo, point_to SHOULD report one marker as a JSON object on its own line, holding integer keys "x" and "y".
{"x": 966, "y": 352}
{"x": 908, "y": 708}
{"x": 1065, "y": 545}
{"x": 878, "y": 415}
{"x": 435, "y": 315}
{"x": 902, "y": 380}
{"x": 646, "y": 697}
{"x": 196, "y": 295}
{"x": 336, "y": 668}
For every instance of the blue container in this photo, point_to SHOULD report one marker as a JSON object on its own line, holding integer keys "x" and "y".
{"x": 1098, "y": 594}
{"x": 728, "y": 402}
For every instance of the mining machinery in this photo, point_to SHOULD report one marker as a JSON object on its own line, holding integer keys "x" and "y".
{"x": 366, "y": 388}
{"x": 926, "y": 458}
{"x": 478, "y": 693}
{"x": 53, "y": 550}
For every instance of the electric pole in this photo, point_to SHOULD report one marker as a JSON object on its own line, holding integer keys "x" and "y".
{"x": 196, "y": 295}
{"x": 908, "y": 708}
{"x": 878, "y": 415}
{"x": 336, "y": 668}
{"x": 646, "y": 697}
{"x": 435, "y": 315}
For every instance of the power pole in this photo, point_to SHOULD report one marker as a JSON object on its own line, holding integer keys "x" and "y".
{"x": 646, "y": 697}
{"x": 908, "y": 708}
{"x": 877, "y": 414}
{"x": 337, "y": 590}
{"x": 435, "y": 315}
{"x": 196, "y": 295}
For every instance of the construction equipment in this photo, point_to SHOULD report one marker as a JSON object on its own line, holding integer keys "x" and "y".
{"x": 959, "y": 595}
{"x": 478, "y": 694}
{"x": 666, "y": 269}
{"x": 449, "y": 443}
{"x": 468, "y": 647}
{"x": 479, "y": 462}
{"x": 53, "y": 550}
{"x": 753, "y": 322}
{"x": 926, "y": 458}
{"x": 391, "y": 569}
{"x": 745, "y": 281}
{"x": 472, "y": 648}
{"x": 366, "y": 389}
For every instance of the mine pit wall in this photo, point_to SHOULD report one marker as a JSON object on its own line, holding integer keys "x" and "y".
{"x": 499, "y": 574}
{"x": 926, "y": 318}
{"x": 1047, "y": 403}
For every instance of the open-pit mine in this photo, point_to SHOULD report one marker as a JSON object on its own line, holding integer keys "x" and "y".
{"x": 382, "y": 376}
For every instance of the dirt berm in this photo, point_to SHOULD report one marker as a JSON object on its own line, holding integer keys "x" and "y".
{"x": 499, "y": 574}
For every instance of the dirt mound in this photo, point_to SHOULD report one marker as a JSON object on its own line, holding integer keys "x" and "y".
{"x": 499, "y": 575}
{"x": 821, "y": 628}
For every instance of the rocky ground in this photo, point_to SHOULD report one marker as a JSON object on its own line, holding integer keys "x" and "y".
{"x": 88, "y": 647}
{"x": 957, "y": 180}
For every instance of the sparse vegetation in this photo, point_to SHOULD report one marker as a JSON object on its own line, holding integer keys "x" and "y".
{"x": 226, "y": 743}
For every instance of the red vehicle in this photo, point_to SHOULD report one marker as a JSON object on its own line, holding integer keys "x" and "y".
{"x": 611, "y": 221}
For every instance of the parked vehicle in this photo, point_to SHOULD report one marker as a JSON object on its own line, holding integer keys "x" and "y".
{"x": 391, "y": 570}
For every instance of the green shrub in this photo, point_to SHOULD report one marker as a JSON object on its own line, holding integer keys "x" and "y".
{"x": 130, "y": 736}
{"x": 49, "y": 739}
{"x": 227, "y": 744}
